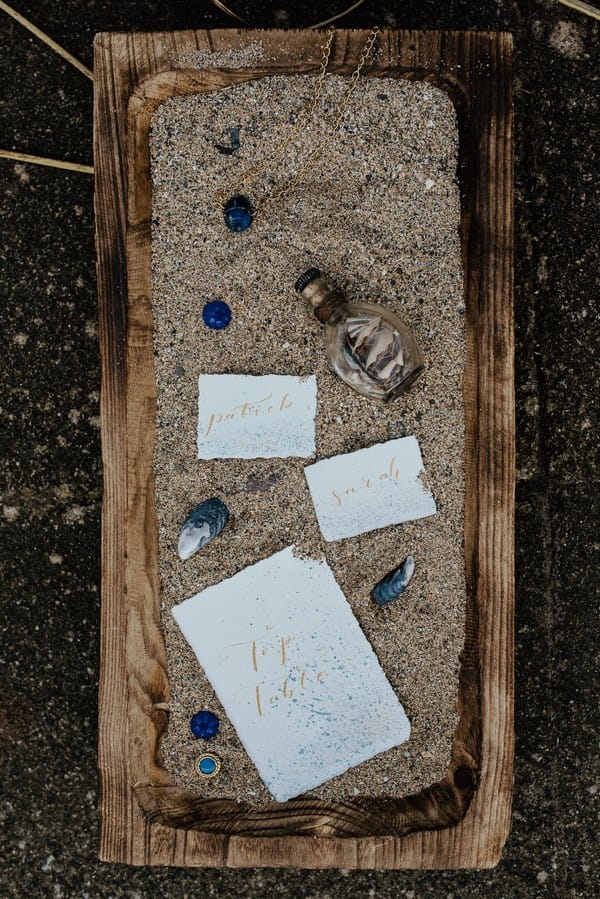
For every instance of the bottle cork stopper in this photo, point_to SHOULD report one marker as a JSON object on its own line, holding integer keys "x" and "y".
{"x": 305, "y": 279}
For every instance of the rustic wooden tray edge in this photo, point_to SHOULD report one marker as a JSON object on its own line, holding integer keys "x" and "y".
{"x": 127, "y": 67}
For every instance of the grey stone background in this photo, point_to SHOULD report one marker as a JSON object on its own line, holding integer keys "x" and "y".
{"x": 51, "y": 467}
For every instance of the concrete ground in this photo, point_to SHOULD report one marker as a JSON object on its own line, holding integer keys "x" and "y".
{"x": 51, "y": 489}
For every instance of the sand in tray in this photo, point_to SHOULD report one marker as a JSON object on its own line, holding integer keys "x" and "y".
{"x": 379, "y": 214}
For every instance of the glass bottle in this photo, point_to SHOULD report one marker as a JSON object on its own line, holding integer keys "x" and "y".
{"x": 368, "y": 347}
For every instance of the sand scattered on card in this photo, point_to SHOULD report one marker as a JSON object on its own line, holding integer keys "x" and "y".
{"x": 379, "y": 215}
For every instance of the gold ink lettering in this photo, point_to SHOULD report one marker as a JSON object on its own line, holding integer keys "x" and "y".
{"x": 247, "y": 408}
{"x": 210, "y": 424}
{"x": 336, "y": 497}
{"x": 273, "y": 700}
{"x": 394, "y": 473}
{"x": 254, "y": 665}
{"x": 258, "y": 700}
{"x": 320, "y": 675}
{"x": 302, "y": 680}
{"x": 286, "y": 691}
{"x": 367, "y": 482}
{"x": 350, "y": 490}
{"x": 285, "y": 641}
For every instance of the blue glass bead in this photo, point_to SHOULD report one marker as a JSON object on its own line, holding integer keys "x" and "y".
{"x": 216, "y": 315}
{"x": 208, "y": 765}
{"x": 204, "y": 725}
{"x": 238, "y": 213}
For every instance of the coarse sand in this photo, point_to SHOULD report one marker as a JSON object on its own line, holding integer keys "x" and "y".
{"x": 379, "y": 215}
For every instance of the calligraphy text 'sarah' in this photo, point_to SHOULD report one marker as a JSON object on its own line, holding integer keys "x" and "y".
{"x": 367, "y": 482}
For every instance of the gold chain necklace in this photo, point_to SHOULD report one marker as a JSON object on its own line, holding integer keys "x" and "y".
{"x": 238, "y": 208}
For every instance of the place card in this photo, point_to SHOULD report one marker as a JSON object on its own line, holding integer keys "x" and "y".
{"x": 256, "y": 416}
{"x": 370, "y": 488}
{"x": 294, "y": 672}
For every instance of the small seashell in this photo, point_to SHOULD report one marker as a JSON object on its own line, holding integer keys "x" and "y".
{"x": 202, "y": 524}
{"x": 395, "y": 583}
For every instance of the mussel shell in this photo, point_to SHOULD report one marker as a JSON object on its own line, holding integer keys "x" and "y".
{"x": 395, "y": 583}
{"x": 203, "y": 523}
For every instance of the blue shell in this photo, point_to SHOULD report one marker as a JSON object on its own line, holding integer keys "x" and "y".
{"x": 202, "y": 524}
{"x": 395, "y": 583}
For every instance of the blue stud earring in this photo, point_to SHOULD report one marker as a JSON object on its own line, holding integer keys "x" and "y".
{"x": 208, "y": 765}
{"x": 216, "y": 315}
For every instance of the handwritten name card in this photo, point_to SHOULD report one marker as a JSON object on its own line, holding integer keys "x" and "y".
{"x": 368, "y": 489}
{"x": 250, "y": 417}
{"x": 294, "y": 671}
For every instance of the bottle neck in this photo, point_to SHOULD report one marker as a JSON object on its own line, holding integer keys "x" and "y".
{"x": 323, "y": 299}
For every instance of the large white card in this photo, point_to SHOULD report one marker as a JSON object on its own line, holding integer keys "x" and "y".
{"x": 294, "y": 671}
{"x": 256, "y": 416}
{"x": 370, "y": 488}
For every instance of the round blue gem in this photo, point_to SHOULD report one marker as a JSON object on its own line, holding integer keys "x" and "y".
{"x": 207, "y": 765}
{"x": 204, "y": 725}
{"x": 216, "y": 315}
{"x": 238, "y": 213}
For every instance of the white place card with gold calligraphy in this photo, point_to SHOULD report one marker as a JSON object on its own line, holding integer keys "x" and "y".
{"x": 294, "y": 672}
{"x": 256, "y": 416}
{"x": 370, "y": 488}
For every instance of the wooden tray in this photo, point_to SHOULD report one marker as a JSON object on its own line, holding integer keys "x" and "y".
{"x": 463, "y": 820}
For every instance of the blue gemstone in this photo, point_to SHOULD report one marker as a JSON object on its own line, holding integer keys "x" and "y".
{"x": 204, "y": 725}
{"x": 208, "y": 765}
{"x": 216, "y": 315}
{"x": 238, "y": 213}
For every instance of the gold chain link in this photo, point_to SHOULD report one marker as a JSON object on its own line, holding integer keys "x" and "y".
{"x": 251, "y": 175}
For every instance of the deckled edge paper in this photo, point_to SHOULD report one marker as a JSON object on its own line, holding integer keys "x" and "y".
{"x": 369, "y": 488}
{"x": 292, "y": 668}
{"x": 256, "y": 416}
